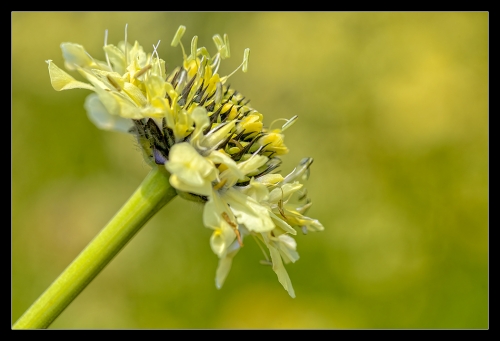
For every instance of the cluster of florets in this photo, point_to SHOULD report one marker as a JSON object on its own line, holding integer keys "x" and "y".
{"x": 212, "y": 142}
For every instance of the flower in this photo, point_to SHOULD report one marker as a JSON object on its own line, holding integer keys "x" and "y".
{"x": 212, "y": 142}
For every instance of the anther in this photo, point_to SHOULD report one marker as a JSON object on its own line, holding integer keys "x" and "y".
{"x": 234, "y": 227}
{"x": 178, "y": 35}
{"x": 114, "y": 83}
{"x": 220, "y": 184}
{"x": 142, "y": 71}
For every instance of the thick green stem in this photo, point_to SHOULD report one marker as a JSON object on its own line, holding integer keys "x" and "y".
{"x": 153, "y": 193}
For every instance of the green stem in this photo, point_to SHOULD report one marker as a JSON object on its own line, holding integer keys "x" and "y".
{"x": 153, "y": 193}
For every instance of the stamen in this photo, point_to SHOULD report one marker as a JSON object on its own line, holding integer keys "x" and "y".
{"x": 177, "y": 39}
{"x": 201, "y": 67}
{"x": 203, "y": 51}
{"x": 215, "y": 63}
{"x": 288, "y": 123}
{"x": 226, "y": 43}
{"x": 157, "y": 56}
{"x": 234, "y": 226}
{"x": 142, "y": 71}
{"x": 178, "y": 35}
{"x": 246, "y": 55}
{"x": 280, "y": 206}
{"x": 243, "y": 65}
{"x": 105, "y": 44}
{"x": 194, "y": 43}
{"x": 220, "y": 184}
{"x": 218, "y": 42}
{"x": 236, "y": 143}
{"x": 114, "y": 83}
{"x": 126, "y": 45}
{"x": 261, "y": 247}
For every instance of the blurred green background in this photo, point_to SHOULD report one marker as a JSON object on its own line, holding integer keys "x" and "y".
{"x": 393, "y": 107}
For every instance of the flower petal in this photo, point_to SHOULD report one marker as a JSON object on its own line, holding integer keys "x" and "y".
{"x": 248, "y": 212}
{"x": 190, "y": 171}
{"x": 280, "y": 270}
{"x": 61, "y": 80}
{"x": 98, "y": 114}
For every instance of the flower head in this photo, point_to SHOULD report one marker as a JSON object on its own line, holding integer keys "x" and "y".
{"x": 212, "y": 142}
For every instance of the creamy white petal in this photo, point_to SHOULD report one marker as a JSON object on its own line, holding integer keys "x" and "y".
{"x": 287, "y": 248}
{"x": 190, "y": 171}
{"x": 248, "y": 212}
{"x": 116, "y": 58}
{"x": 75, "y": 54}
{"x": 284, "y": 192}
{"x": 98, "y": 115}
{"x": 201, "y": 122}
{"x": 252, "y": 164}
{"x": 278, "y": 220}
{"x": 61, "y": 80}
{"x": 257, "y": 191}
{"x": 203, "y": 189}
{"x": 280, "y": 270}
{"x": 270, "y": 179}
{"x": 232, "y": 173}
{"x": 225, "y": 265}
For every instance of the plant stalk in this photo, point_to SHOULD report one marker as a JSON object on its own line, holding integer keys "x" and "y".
{"x": 153, "y": 193}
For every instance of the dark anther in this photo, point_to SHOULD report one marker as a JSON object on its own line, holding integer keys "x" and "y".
{"x": 238, "y": 155}
{"x": 174, "y": 79}
{"x": 211, "y": 95}
{"x": 203, "y": 100}
{"x": 223, "y": 144}
{"x": 156, "y": 135}
{"x": 185, "y": 92}
{"x": 241, "y": 100}
{"x": 168, "y": 133}
{"x": 210, "y": 107}
{"x": 213, "y": 119}
{"x": 245, "y": 136}
{"x": 169, "y": 99}
{"x": 272, "y": 164}
{"x": 244, "y": 114}
{"x": 200, "y": 92}
{"x": 238, "y": 137}
{"x": 225, "y": 114}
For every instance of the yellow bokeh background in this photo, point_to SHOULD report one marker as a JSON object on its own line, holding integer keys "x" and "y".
{"x": 392, "y": 106}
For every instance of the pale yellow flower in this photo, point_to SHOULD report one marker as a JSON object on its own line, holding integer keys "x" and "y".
{"x": 212, "y": 142}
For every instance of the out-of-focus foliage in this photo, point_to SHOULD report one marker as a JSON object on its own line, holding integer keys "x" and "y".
{"x": 393, "y": 107}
